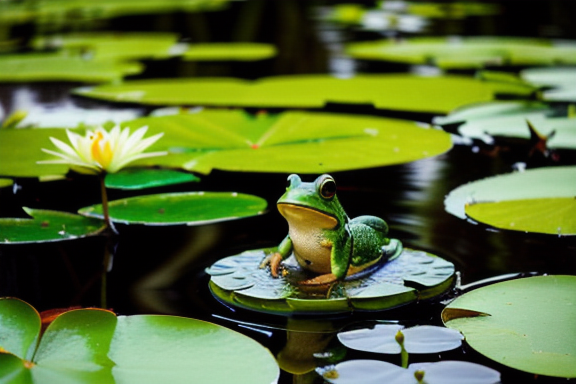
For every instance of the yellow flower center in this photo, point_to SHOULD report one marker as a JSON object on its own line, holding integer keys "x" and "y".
{"x": 101, "y": 150}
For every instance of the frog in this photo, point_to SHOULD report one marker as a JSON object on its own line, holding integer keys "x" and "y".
{"x": 323, "y": 239}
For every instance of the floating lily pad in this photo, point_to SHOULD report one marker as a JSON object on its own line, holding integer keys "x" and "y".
{"x": 54, "y": 67}
{"x": 376, "y": 372}
{"x": 493, "y": 109}
{"x": 190, "y": 208}
{"x": 291, "y": 142}
{"x": 93, "y": 345}
{"x": 417, "y": 339}
{"x": 228, "y": 51}
{"x": 561, "y": 80}
{"x": 564, "y": 128}
{"x": 6, "y": 182}
{"x": 137, "y": 178}
{"x": 556, "y": 216}
{"x": 47, "y": 226}
{"x": 547, "y": 182}
{"x": 434, "y": 94}
{"x": 465, "y": 52}
{"x": 116, "y": 46}
{"x": 238, "y": 281}
{"x": 528, "y": 323}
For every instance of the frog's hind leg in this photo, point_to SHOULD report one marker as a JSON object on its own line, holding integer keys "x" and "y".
{"x": 393, "y": 249}
{"x": 372, "y": 221}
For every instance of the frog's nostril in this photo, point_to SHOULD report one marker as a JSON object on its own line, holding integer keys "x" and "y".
{"x": 308, "y": 262}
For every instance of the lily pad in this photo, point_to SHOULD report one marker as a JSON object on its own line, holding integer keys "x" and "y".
{"x": 6, "y": 182}
{"x": 493, "y": 109}
{"x": 465, "y": 52}
{"x": 228, "y": 51}
{"x": 564, "y": 128}
{"x": 529, "y": 324}
{"x": 561, "y": 80}
{"x": 113, "y": 46}
{"x": 239, "y": 281}
{"x": 556, "y": 216}
{"x": 93, "y": 345}
{"x": 376, "y": 371}
{"x": 47, "y": 226}
{"x": 417, "y": 339}
{"x": 291, "y": 142}
{"x": 54, "y": 67}
{"x": 433, "y": 94}
{"x": 190, "y": 208}
{"x": 538, "y": 183}
{"x": 137, "y": 178}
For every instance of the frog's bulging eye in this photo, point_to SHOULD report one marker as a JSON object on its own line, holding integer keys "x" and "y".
{"x": 293, "y": 180}
{"x": 327, "y": 187}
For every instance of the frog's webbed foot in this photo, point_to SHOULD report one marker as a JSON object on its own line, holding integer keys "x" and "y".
{"x": 322, "y": 280}
{"x": 274, "y": 260}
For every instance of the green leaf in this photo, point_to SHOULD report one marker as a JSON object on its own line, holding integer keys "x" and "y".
{"x": 564, "y": 128}
{"x": 54, "y": 67}
{"x": 530, "y": 327}
{"x": 555, "y": 216}
{"x": 112, "y": 46}
{"x": 561, "y": 80}
{"x": 493, "y": 109}
{"x": 291, "y": 142}
{"x": 470, "y": 52}
{"x": 191, "y": 208}
{"x": 78, "y": 340}
{"x": 433, "y": 94}
{"x": 20, "y": 160}
{"x": 152, "y": 349}
{"x": 6, "y": 182}
{"x": 147, "y": 178}
{"x": 239, "y": 281}
{"x": 13, "y": 371}
{"x": 47, "y": 226}
{"x": 20, "y": 328}
{"x": 546, "y": 182}
{"x": 229, "y": 51}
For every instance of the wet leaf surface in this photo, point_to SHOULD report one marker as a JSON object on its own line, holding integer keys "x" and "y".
{"x": 190, "y": 208}
{"x": 530, "y": 326}
{"x": 147, "y": 178}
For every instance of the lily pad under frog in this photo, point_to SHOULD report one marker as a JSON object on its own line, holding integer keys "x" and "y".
{"x": 413, "y": 275}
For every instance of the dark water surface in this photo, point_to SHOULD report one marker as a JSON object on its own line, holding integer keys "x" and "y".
{"x": 161, "y": 269}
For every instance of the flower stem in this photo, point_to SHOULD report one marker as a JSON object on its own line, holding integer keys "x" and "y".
{"x": 109, "y": 224}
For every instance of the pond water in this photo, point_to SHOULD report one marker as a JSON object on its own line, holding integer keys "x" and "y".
{"x": 161, "y": 269}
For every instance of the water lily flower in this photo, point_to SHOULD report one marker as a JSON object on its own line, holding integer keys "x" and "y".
{"x": 100, "y": 151}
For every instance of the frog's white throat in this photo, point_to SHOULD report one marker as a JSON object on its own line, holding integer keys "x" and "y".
{"x": 302, "y": 217}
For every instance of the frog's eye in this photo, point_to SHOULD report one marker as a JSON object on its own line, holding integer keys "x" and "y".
{"x": 293, "y": 180}
{"x": 327, "y": 187}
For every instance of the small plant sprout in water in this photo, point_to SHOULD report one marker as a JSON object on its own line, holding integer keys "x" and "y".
{"x": 100, "y": 152}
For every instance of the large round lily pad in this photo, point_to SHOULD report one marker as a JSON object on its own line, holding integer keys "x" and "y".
{"x": 239, "y": 281}
{"x": 47, "y": 226}
{"x": 141, "y": 178}
{"x": 191, "y": 208}
{"x": 95, "y": 346}
{"x": 526, "y": 324}
{"x": 433, "y": 94}
{"x": 465, "y": 52}
{"x": 539, "y": 199}
{"x": 54, "y": 67}
{"x": 560, "y": 82}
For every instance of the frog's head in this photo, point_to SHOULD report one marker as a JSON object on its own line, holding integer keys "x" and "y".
{"x": 313, "y": 204}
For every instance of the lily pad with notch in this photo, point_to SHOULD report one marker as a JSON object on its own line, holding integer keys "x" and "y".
{"x": 188, "y": 208}
{"x": 47, "y": 226}
{"x": 526, "y": 324}
{"x": 95, "y": 345}
{"x": 414, "y": 275}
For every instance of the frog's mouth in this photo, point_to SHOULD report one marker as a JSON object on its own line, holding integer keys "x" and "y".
{"x": 302, "y": 215}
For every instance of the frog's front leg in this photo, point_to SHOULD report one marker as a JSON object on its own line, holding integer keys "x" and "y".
{"x": 274, "y": 259}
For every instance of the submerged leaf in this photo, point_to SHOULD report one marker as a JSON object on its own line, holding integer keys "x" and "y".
{"x": 530, "y": 327}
